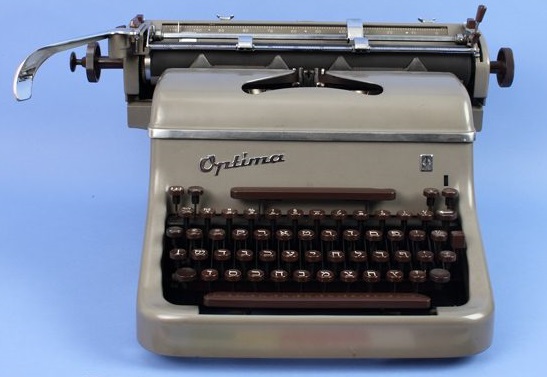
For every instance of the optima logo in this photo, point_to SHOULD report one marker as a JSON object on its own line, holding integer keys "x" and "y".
{"x": 209, "y": 163}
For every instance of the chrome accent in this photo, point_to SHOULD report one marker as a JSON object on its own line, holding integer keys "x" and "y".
{"x": 356, "y": 34}
{"x": 244, "y": 42}
{"x": 426, "y": 162}
{"x": 24, "y": 76}
{"x": 225, "y": 18}
{"x": 307, "y": 135}
{"x": 147, "y": 68}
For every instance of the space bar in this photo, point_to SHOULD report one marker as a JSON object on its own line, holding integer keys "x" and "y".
{"x": 316, "y": 300}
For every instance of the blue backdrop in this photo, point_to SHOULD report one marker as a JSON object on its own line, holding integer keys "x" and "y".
{"x": 73, "y": 185}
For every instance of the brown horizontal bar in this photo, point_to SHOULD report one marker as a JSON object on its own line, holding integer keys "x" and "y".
{"x": 312, "y": 300}
{"x": 312, "y": 193}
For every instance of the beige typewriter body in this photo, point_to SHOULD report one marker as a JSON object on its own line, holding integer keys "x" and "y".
{"x": 227, "y": 129}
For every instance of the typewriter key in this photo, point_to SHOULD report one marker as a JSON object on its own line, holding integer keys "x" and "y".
{"x": 209, "y": 274}
{"x": 185, "y": 275}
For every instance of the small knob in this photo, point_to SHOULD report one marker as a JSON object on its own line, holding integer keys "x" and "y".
{"x": 504, "y": 67}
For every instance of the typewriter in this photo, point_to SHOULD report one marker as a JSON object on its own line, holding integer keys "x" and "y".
{"x": 311, "y": 185}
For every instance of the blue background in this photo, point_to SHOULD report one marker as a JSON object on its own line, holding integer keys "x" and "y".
{"x": 73, "y": 185}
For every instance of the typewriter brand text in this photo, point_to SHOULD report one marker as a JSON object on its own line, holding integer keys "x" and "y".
{"x": 209, "y": 163}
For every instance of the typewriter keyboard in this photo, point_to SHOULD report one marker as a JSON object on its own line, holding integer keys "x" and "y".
{"x": 248, "y": 260}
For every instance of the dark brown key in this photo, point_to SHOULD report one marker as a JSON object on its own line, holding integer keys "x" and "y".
{"x": 217, "y": 234}
{"x": 209, "y": 274}
{"x": 301, "y": 276}
{"x": 425, "y": 256}
{"x": 450, "y": 194}
{"x": 351, "y": 235}
{"x": 250, "y": 214}
{"x": 222, "y": 255}
{"x": 306, "y": 235}
{"x": 425, "y": 215}
{"x": 229, "y": 213}
{"x": 262, "y": 234}
{"x": 267, "y": 255}
{"x": 289, "y": 256}
{"x": 417, "y": 276}
{"x": 186, "y": 212}
{"x": 313, "y": 256}
{"x": 295, "y": 214}
{"x": 457, "y": 240}
{"x": 207, "y": 213}
{"x": 431, "y": 195}
{"x": 395, "y": 235}
{"x": 336, "y": 256}
{"x": 176, "y": 193}
{"x": 273, "y": 214}
{"x": 374, "y": 235}
{"x": 348, "y": 276}
{"x": 360, "y": 215}
{"x": 232, "y": 275}
{"x": 416, "y": 235}
{"x": 404, "y": 215}
{"x": 316, "y": 214}
{"x": 283, "y": 235}
{"x": 199, "y": 254}
{"x": 439, "y": 236}
{"x": 313, "y": 300}
{"x": 279, "y": 276}
{"x": 439, "y": 275}
{"x": 195, "y": 193}
{"x": 329, "y": 235}
{"x": 325, "y": 276}
{"x": 178, "y": 254}
{"x": 380, "y": 256}
{"x": 174, "y": 232}
{"x": 446, "y": 215}
{"x": 394, "y": 276}
{"x": 244, "y": 255}
{"x": 240, "y": 234}
{"x": 371, "y": 276}
{"x": 358, "y": 256}
{"x": 447, "y": 256}
{"x": 382, "y": 214}
{"x": 338, "y": 214}
{"x": 255, "y": 275}
{"x": 194, "y": 234}
{"x": 185, "y": 275}
{"x": 402, "y": 256}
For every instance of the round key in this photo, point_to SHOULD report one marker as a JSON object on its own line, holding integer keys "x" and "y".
{"x": 439, "y": 235}
{"x": 240, "y": 234}
{"x": 348, "y": 276}
{"x": 244, "y": 255}
{"x": 416, "y": 235}
{"x": 195, "y": 192}
{"x": 232, "y": 275}
{"x": 447, "y": 256}
{"x": 289, "y": 256}
{"x": 360, "y": 215}
{"x": 338, "y": 214}
{"x": 358, "y": 256}
{"x": 176, "y": 193}
{"x": 186, "y": 212}
{"x": 306, "y": 235}
{"x": 382, "y": 214}
{"x": 450, "y": 194}
{"x": 329, "y": 235}
{"x": 351, "y": 235}
{"x": 336, "y": 256}
{"x": 194, "y": 234}
{"x": 395, "y": 235}
{"x": 439, "y": 275}
{"x": 222, "y": 255}
{"x": 199, "y": 254}
{"x": 301, "y": 276}
{"x": 431, "y": 195}
{"x": 417, "y": 276}
{"x": 217, "y": 234}
{"x": 374, "y": 235}
{"x": 325, "y": 276}
{"x": 255, "y": 275}
{"x": 262, "y": 234}
{"x": 316, "y": 214}
{"x": 404, "y": 215}
{"x": 313, "y": 256}
{"x": 273, "y": 214}
{"x": 207, "y": 213}
{"x": 209, "y": 274}
{"x": 295, "y": 214}
{"x": 178, "y": 254}
{"x": 371, "y": 276}
{"x": 283, "y": 235}
{"x": 425, "y": 256}
{"x": 250, "y": 214}
{"x": 402, "y": 256}
{"x": 174, "y": 232}
{"x": 425, "y": 215}
{"x": 394, "y": 276}
{"x": 279, "y": 276}
{"x": 229, "y": 213}
{"x": 380, "y": 256}
{"x": 185, "y": 275}
{"x": 267, "y": 256}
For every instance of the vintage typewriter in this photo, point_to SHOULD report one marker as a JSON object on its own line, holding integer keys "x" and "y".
{"x": 311, "y": 185}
